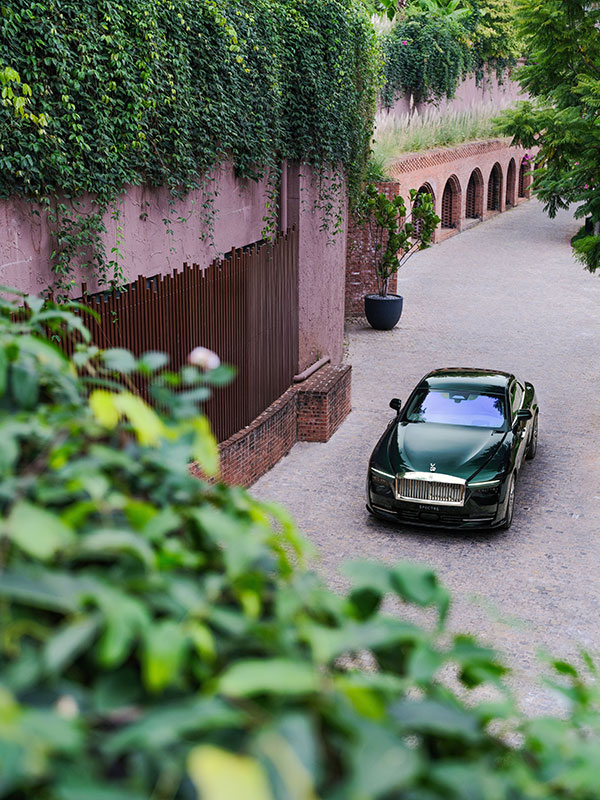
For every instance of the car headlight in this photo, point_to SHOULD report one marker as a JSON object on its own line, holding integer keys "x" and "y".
{"x": 485, "y": 487}
{"x": 381, "y": 481}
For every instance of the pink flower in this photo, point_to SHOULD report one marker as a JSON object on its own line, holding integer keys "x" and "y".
{"x": 585, "y": 186}
{"x": 404, "y": 42}
{"x": 204, "y": 358}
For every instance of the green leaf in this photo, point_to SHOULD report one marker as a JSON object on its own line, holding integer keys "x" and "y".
{"x": 118, "y": 541}
{"x": 269, "y": 676}
{"x": 424, "y": 662}
{"x": 37, "y": 532}
{"x": 437, "y": 718}
{"x": 3, "y": 371}
{"x": 219, "y": 775}
{"x": 120, "y": 360}
{"x": 24, "y": 383}
{"x": 205, "y": 449}
{"x": 329, "y": 643}
{"x": 172, "y": 722}
{"x": 153, "y": 361}
{"x": 164, "y": 648}
{"x": 382, "y": 763}
{"x": 51, "y": 591}
{"x": 126, "y": 621}
{"x": 64, "y": 647}
{"x": 418, "y": 584}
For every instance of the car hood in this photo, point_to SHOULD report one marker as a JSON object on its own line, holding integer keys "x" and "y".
{"x": 457, "y": 450}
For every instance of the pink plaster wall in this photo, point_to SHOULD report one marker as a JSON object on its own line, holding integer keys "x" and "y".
{"x": 490, "y": 93}
{"x": 26, "y": 245}
{"x": 322, "y": 273}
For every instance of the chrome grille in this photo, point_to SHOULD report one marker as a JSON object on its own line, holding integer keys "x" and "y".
{"x": 423, "y": 489}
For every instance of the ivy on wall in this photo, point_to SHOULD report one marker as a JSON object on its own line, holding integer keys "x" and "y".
{"x": 161, "y": 93}
{"x": 435, "y": 44}
{"x": 426, "y": 57}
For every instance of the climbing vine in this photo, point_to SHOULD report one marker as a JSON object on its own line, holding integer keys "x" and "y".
{"x": 426, "y": 57}
{"x": 161, "y": 93}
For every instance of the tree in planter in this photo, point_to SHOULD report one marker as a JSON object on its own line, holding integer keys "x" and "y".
{"x": 395, "y": 231}
{"x": 562, "y": 119}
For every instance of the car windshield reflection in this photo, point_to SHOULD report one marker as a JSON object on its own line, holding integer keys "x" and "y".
{"x": 475, "y": 409}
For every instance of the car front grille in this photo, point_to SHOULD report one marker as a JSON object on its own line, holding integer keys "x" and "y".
{"x": 422, "y": 488}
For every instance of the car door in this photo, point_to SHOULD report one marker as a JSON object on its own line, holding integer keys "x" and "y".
{"x": 517, "y": 397}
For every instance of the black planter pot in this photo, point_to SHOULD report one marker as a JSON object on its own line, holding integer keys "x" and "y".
{"x": 383, "y": 313}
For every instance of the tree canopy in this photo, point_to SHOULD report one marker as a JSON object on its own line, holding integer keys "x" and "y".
{"x": 562, "y": 116}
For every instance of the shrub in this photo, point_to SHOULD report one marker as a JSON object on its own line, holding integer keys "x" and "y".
{"x": 160, "y": 637}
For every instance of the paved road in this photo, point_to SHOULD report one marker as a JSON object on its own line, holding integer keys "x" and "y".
{"x": 506, "y": 295}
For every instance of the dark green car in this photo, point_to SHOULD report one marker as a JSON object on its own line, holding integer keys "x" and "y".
{"x": 452, "y": 455}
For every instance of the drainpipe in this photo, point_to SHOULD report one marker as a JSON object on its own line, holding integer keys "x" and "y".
{"x": 302, "y": 376}
{"x": 283, "y": 197}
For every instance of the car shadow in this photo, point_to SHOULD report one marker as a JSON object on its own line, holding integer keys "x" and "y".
{"x": 391, "y": 529}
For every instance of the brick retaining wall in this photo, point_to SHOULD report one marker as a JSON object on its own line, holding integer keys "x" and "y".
{"x": 434, "y": 169}
{"x": 310, "y": 411}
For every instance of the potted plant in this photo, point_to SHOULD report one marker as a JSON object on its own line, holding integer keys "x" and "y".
{"x": 396, "y": 235}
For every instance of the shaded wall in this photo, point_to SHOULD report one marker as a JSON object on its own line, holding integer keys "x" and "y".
{"x": 149, "y": 249}
{"x": 322, "y": 259}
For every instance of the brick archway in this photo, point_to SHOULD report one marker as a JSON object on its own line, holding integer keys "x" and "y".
{"x": 425, "y": 188}
{"x": 494, "y": 193}
{"x": 524, "y": 179}
{"x": 474, "y": 198}
{"x": 451, "y": 197}
{"x": 511, "y": 183}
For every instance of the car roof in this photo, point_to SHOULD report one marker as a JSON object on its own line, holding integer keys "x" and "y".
{"x": 487, "y": 380}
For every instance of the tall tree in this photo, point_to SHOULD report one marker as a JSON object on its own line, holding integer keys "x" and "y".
{"x": 562, "y": 118}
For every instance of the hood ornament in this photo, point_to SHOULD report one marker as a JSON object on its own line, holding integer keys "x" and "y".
{"x": 432, "y": 468}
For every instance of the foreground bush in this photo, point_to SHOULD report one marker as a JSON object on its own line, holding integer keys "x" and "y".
{"x": 160, "y": 637}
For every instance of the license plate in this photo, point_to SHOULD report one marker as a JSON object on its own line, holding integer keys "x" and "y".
{"x": 424, "y": 507}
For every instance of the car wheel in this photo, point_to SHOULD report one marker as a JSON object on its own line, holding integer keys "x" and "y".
{"x": 510, "y": 506}
{"x": 532, "y": 446}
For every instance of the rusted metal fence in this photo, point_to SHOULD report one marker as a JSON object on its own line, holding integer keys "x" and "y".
{"x": 244, "y": 307}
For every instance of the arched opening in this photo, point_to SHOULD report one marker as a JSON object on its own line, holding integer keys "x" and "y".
{"x": 494, "y": 188}
{"x": 450, "y": 213}
{"x": 524, "y": 178}
{"x": 474, "y": 198}
{"x": 424, "y": 189}
{"x": 510, "y": 183}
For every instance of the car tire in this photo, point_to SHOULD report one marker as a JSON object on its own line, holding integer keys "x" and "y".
{"x": 510, "y": 506}
{"x": 533, "y": 441}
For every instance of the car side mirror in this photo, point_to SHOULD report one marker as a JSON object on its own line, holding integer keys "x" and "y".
{"x": 396, "y": 404}
{"x": 522, "y": 415}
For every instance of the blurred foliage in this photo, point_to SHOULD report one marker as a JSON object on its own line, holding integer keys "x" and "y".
{"x": 160, "y": 638}
{"x": 562, "y": 118}
{"x": 157, "y": 93}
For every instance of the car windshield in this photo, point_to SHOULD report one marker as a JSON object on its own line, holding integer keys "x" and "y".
{"x": 453, "y": 407}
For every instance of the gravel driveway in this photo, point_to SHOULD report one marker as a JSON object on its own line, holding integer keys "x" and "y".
{"x": 504, "y": 295}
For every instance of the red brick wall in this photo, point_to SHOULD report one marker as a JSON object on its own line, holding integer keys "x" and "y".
{"x": 251, "y": 452}
{"x": 360, "y": 255}
{"x": 310, "y": 411}
{"x": 433, "y": 167}
{"x": 323, "y": 403}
